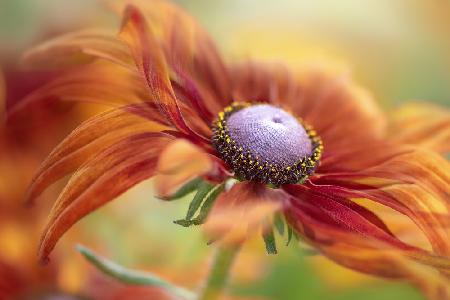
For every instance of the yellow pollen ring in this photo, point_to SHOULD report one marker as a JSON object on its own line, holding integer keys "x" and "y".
{"x": 249, "y": 167}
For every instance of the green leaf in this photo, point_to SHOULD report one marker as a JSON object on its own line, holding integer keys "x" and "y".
{"x": 184, "y": 223}
{"x": 289, "y": 237}
{"x": 207, "y": 204}
{"x": 207, "y": 201}
{"x": 269, "y": 240}
{"x": 279, "y": 224}
{"x": 129, "y": 276}
{"x": 205, "y": 197}
{"x": 185, "y": 189}
{"x": 203, "y": 189}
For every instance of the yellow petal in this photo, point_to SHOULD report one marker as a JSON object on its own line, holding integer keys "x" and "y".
{"x": 422, "y": 124}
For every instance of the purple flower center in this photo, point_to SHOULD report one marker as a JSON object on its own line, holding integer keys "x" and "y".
{"x": 264, "y": 143}
{"x": 269, "y": 133}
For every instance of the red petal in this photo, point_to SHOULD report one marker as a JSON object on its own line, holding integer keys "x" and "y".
{"x": 347, "y": 236}
{"x": 415, "y": 183}
{"x": 189, "y": 52}
{"x": 340, "y": 213}
{"x": 150, "y": 60}
{"x": 342, "y": 200}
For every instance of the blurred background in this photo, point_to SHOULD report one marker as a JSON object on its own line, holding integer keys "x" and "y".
{"x": 400, "y": 50}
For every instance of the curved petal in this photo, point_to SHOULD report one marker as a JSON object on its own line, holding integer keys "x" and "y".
{"x": 351, "y": 236}
{"x": 340, "y": 213}
{"x": 422, "y": 124}
{"x": 258, "y": 82}
{"x": 344, "y": 114}
{"x": 357, "y": 157}
{"x": 91, "y": 137}
{"x": 102, "y": 83}
{"x": 100, "y": 180}
{"x": 415, "y": 183}
{"x": 88, "y": 46}
{"x": 77, "y": 48}
{"x": 99, "y": 82}
{"x": 253, "y": 204}
{"x": 179, "y": 163}
{"x": 150, "y": 61}
{"x": 341, "y": 112}
{"x": 189, "y": 52}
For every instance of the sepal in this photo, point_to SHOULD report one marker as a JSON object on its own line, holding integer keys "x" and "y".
{"x": 269, "y": 241}
{"x": 186, "y": 189}
{"x": 204, "y": 199}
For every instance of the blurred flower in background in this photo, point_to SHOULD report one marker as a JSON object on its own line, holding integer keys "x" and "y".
{"x": 21, "y": 146}
{"x": 400, "y": 50}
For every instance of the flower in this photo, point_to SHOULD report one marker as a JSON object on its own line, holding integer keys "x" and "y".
{"x": 20, "y": 274}
{"x": 308, "y": 145}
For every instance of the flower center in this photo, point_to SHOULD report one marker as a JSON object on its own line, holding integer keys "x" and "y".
{"x": 265, "y": 143}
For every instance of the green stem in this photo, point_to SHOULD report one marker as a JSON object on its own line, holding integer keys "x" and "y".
{"x": 218, "y": 274}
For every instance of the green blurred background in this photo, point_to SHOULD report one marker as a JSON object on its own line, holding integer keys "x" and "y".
{"x": 399, "y": 49}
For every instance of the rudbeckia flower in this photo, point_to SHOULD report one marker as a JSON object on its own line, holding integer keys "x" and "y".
{"x": 308, "y": 149}
{"x": 20, "y": 274}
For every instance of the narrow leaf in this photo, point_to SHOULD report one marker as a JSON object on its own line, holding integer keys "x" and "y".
{"x": 185, "y": 189}
{"x": 203, "y": 189}
{"x": 207, "y": 204}
{"x": 184, "y": 223}
{"x": 289, "y": 235}
{"x": 129, "y": 276}
{"x": 279, "y": 224}
{"x": 269, "y": 240}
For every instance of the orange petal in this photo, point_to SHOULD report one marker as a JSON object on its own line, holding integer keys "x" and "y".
{"x": 150, "y": 61}
{"x": 99, "y": 82}
{"x": 189, "y": 51}
{"x": 262, "y": 82}
{"x": 180, "y": 162}
{"x": 91, "y": 137}
{"x": 415, "y": 183}
{"x": 422, "y": 124}
{"x": 247, "y": 208}
{"x": 343, "y": 113}
{"x": 392, "y": 264}
{"x": 348, "y": 237}
{"x": 100, "y": 180}
{"x": 78, "y": 47}
{"x": 356, "y": 157}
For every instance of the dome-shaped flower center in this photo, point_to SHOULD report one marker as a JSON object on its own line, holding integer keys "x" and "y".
{"x": 265, "y": 143}
{"x": 269, "y": 133}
